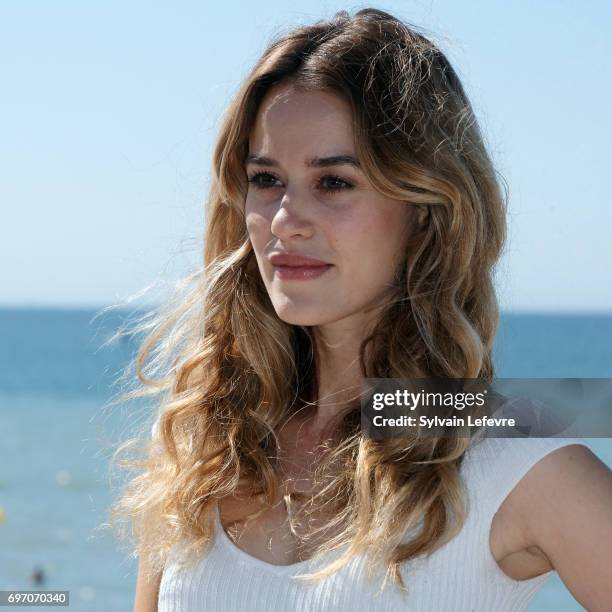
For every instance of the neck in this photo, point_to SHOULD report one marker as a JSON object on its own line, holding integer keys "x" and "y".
{"x": 338, "y": 368}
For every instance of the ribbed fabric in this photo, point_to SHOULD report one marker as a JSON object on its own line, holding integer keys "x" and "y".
{"x": 462, "y": 576}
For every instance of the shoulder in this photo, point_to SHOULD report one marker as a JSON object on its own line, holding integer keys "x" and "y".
{"x": 561, "y": 493}
{"x": 495, "y": 466}
{"x": 504, "y": 477}
{"x": 147, "y": 589}
{"x": 562, "y": 508}
{"x": 548, "y": 480}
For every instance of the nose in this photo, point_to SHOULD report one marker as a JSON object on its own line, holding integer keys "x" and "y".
{"x": 291, "y": 218}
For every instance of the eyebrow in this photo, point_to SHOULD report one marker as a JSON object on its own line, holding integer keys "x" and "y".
{"x": 312, "y": 162}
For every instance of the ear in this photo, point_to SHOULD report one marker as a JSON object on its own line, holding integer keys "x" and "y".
{"x": 422, "y": 215}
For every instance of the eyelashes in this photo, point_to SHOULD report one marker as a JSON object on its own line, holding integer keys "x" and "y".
{"x": 330, "y": 184}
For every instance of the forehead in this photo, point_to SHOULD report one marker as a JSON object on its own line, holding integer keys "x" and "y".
{"x": 289, "y": 119}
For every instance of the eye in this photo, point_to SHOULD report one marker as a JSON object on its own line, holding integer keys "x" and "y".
{"x": 261, "y": 180}
{"x": 334, "y": 184}
{"x": 330, "y": 184}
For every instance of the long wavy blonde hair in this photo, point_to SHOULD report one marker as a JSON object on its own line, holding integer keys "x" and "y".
{"x": 225, "y": 372}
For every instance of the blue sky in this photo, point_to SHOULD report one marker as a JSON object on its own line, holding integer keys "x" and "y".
{"x": 109, "y": 112}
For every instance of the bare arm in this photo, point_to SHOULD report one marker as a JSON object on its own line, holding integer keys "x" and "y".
{"x": 147, "y": 590}
{"x": 564, "y": 505}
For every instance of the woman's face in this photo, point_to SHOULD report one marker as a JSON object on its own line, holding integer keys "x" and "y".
{"x": 299, "y": 202}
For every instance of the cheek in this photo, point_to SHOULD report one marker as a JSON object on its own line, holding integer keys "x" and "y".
{"x": 258, "y": 228}
{"x": 372, "y": 244}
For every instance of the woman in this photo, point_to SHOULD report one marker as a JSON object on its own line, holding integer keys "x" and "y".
{"x": 354, "y": 222}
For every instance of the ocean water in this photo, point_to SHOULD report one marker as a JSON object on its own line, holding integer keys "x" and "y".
{"x": 55, "y": 380}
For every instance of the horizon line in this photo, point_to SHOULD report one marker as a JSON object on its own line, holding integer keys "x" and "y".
{"x": 152, "y": 306}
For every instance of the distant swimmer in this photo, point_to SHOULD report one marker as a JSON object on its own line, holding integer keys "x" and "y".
{"x": 38, "y": 575}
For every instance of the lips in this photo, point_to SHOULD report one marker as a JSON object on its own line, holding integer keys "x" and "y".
{"x": 291, "y": 266}
{"x": 294, "y": 260}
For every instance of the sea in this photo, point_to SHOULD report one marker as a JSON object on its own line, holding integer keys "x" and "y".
{"x": 58, "y": 376}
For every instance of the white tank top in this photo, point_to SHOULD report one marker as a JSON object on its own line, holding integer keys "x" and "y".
{"x": 462, "y": 576}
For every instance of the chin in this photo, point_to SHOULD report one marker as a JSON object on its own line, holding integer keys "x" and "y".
{"x": 306, "y": 317}
{"x": 297, "y": 319}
